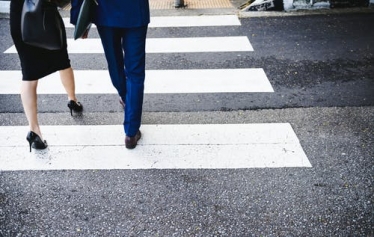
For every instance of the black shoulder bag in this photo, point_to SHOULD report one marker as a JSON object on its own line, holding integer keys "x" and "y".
{"x": 41, "y": 24}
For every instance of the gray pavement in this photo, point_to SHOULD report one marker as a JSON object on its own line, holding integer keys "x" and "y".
{"x": 333, "y": 198}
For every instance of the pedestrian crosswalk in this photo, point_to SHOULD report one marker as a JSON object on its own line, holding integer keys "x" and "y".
{"x": 185, "y": 21}
{"x": 178, "y": 146}
{"x": 194, "y": 146}
{"x": 174, "y": 45}
{"x": 167, "y": 45}
{"x": 158, "y": 81}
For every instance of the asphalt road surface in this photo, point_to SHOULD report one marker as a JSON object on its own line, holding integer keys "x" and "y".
{"x": 289, "y": 101}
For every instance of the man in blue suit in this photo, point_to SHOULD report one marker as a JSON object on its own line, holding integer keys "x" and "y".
{"x": 122, "y": 26}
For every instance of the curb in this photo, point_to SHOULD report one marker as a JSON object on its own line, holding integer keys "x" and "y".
{"x": 303, "y": 12}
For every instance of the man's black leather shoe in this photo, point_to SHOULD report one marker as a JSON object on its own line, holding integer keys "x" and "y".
{"x": 131, "y": 142}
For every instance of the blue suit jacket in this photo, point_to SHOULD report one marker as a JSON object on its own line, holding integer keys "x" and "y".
{"x": 116, "y": 13}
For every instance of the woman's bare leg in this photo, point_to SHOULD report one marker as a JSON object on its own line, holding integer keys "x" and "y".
{"x": 67, "y": 79}
{"x": 29, "y": 101}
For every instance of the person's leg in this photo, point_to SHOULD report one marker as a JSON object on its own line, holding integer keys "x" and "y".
{"x": 111, "y": 39}
{"x": 29, "y": 102}
{"x": 68, "y": 81}
{"x": 134, "y": 48}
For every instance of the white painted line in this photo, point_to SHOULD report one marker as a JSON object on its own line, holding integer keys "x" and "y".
{"x": 199, "y": 44}
{"x": 157, "y": 81}
{"x": 184, "y": 21}
{"x": 199, "y": 146}
{"x": 167, "y": 45}
{"x": 194, "y": 21}
{"x": 4, "y": 6}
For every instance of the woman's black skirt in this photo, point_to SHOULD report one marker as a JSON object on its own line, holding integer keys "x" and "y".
{"x": 35, "y": 62}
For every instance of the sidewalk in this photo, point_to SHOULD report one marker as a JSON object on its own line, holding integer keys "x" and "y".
{"x": 167, "y": 8}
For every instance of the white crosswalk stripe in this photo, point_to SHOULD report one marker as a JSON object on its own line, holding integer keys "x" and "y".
{"x": 185, "y": 21}
{"x": 167, "y": 45}
{"x": 187, "y": 147}
{"x": 195, "y": 146}
{"x": 158, "y": 81}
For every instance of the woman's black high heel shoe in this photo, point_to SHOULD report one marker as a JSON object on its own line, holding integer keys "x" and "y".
{"x": 35, "y": 141}
{"x": 76, "y": 106}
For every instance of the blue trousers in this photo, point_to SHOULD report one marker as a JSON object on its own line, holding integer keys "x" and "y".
{"x": 125, "y": 53}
